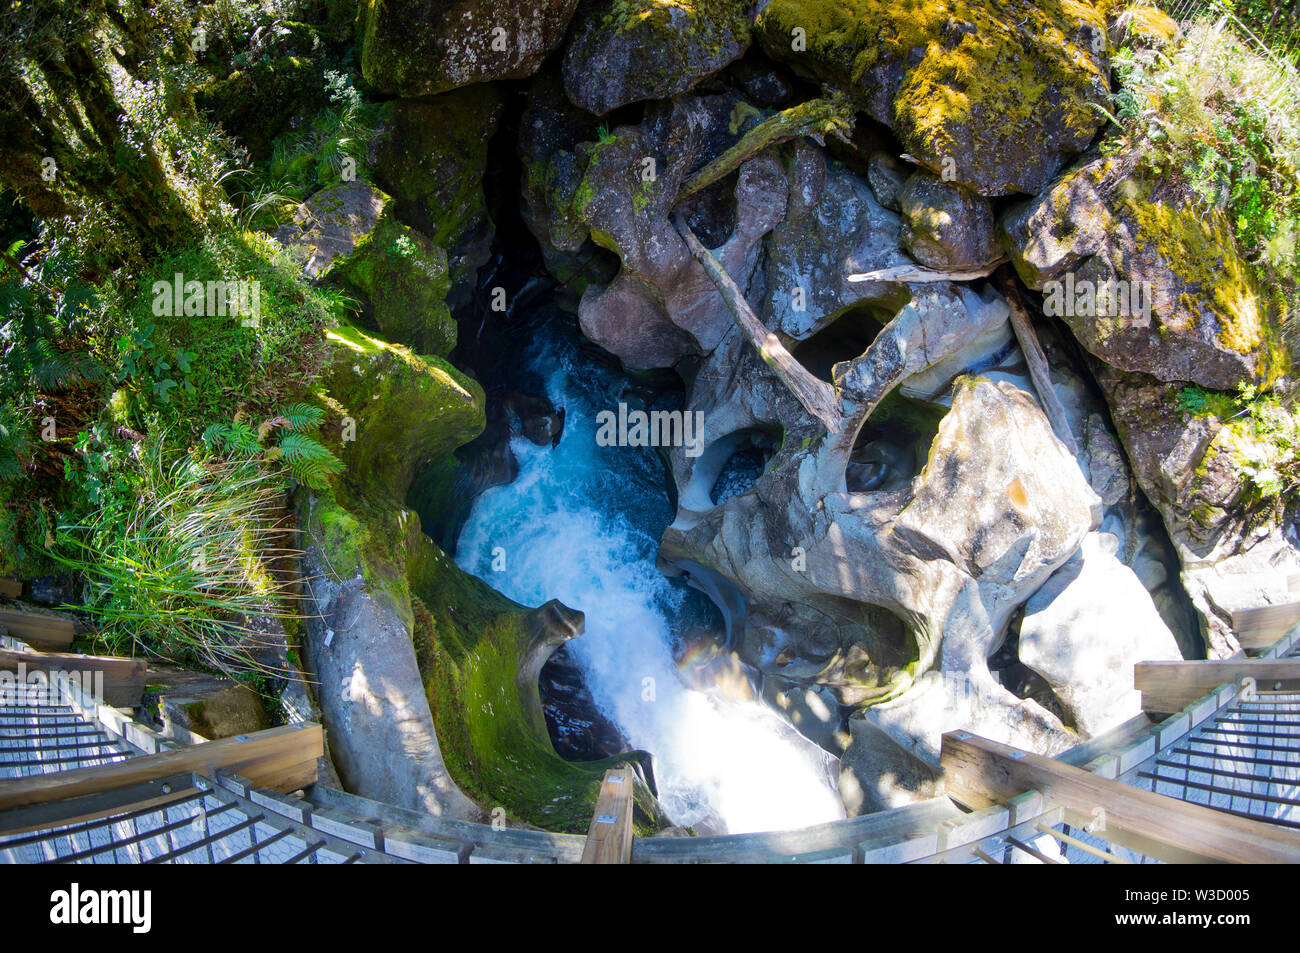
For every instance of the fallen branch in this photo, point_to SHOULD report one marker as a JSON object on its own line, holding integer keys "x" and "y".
{"x": 817, "y": 396}
{"x": 816, "y": 118}
{"x": 1037, "y": 361}
{"x": 910, "y": 272}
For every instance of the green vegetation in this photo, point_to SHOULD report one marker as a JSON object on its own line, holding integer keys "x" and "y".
{"x": 175, "y": 555}
{"x": 1212, "y": 112}
{"x": 1263, "y": 434}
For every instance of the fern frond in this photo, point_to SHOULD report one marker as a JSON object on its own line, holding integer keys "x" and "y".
{"x": 302, "y": 417}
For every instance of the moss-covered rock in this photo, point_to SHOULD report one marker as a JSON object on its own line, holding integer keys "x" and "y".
{"x": 995, "y": 92}
{"x": 1199, "y": 315}
{"x": 631, "y": 50}
{"x": 428, "y": 676}
{"x": 431, "y": 156}
{"x": 350, "y": 234}
{"x": 424, "y": 47}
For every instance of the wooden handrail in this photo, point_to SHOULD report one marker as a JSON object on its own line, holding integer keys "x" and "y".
{"x": 123, "y": 678}
{"x": 282, "y": 759}
{"x": 1172, "y": 686}
{"x": 980, "y": 773}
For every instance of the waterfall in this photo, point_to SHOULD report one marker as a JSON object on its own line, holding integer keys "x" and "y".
{"x": 581, "y": 524}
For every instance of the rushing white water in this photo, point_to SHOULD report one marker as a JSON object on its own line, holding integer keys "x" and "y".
{"x": 580, "y": 524}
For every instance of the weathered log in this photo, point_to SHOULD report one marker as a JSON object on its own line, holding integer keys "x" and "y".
{"x": 1037, "y": 361}
{"x": 919, "y": 273}
{"x": 816, "y": 118}
{"x": 817, "y": 396}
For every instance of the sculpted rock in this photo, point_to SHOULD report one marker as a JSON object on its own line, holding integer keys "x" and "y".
{"x": 428, "y": 678}
{"x": 946, "y": 226}
{"x": 997, "y": 92}
{"x": 431, "y": 156}
{"x": 425, "y": 47}
{"x": 1199, "y": 316}
{"x": 645, "y": 49}
{"x": 833, "y": 227}
{"x": 1086, "y": 628}
{"x": 349, "y": 233}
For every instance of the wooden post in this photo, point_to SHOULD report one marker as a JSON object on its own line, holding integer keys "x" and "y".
{"x": 609, "y": 840}
{"x": 10, "y": 588}
{"x": 1172, "y": 686}
{"x": 980, "y": 773}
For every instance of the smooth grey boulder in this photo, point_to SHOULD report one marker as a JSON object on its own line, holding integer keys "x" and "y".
{"x": 1086, "y": 628}
{"x": 379, "y": 728}
{"x": 833, "y": 227}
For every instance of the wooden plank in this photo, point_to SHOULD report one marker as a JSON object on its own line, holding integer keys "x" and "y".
{"x": 122, "y": 678}
{"x": 41, "y": 630}
{"x": 1172, "y": 686}
{"x": 1260, "y": 627}
{"x": 10, "y": 588}
{"x": 979, "y": 772}
{"x": 282, "y": 759}
{"x": 609, "y": 840}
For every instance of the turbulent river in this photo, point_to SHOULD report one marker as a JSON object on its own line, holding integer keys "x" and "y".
{"x": 581, "y": 524}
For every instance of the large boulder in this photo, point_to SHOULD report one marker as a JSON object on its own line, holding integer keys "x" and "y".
{"x": 833, "y": 227}
{"x": 1195, "y": 468}
{"x": 1086, "y": 628}
{"x": 633, "y": 50}
{"x": 946, "y": 226}
{"x": 431, "y": 156}
{"x": 426, "y": 47}
{"x": 996, "y": 92}
{"x": 1187, "y": 307}
{"x": 350, "y": 234}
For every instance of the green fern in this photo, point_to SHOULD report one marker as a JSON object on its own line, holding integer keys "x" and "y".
{"x": 302, "y": 417}
{"x": 310, "y": 462}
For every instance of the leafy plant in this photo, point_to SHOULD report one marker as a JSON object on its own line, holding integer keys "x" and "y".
{"x": 175, "y": 559}
{"x": 307, "y": 460}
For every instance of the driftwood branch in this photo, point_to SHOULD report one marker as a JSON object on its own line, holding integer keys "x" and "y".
{"x": 817, "y": 396}
{"x": 1037, "y": 361}
{"x": 816, "y": 118}
{"x": 910, "y": 272}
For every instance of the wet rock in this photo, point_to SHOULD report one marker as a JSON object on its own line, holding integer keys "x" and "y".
{"x": 946, "y": 226}
{"x": 833, "y": 227}
{"x": 1086, "y": 628}
{"x": 427, "y": 47}
{"x": 886, "y": 176}
{"x": 642, "y": 49}
{"x": 997, "y": 94}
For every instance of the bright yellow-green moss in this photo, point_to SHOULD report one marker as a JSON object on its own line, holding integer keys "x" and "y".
{"x": 1200, "y": 250}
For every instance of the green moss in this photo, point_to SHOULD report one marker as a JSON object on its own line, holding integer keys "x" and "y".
{"x": 469, "y": 641}
{"x": 1200, "y": 250}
